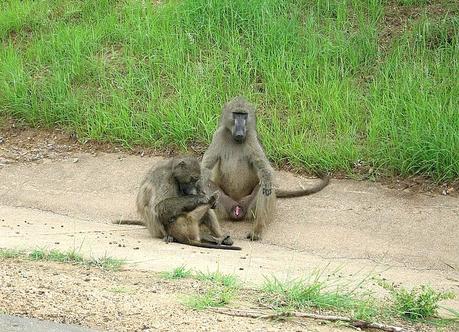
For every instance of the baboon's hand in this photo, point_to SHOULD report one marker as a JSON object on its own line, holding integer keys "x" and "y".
{"x": 203, "y": 199}
{"x": 266, "y": 188}
{"x": 213, "y": 200}
{"x": 168, "y": 239}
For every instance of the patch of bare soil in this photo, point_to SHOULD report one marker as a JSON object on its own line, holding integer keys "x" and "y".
{"x": 118, "y": 301}
{"x": 20, "y": 143}
{"x": 397, "y": 17}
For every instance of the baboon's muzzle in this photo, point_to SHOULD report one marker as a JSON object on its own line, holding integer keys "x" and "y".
{"x": 240, "y": 129}
{"x": 188, "y": 188}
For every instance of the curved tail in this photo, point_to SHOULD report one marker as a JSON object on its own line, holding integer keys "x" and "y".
{"x": 128, "y": 222}
{"x": 303, "y": 192}
{"x": 213, "y": 246}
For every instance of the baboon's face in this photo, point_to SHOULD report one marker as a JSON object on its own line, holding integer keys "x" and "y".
{"x": 238, "y": 116}
{"x": 187, "y": 173}
{"x": 239, "y": 127}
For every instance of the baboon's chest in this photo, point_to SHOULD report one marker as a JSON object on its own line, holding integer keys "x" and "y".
{"x": 237, "y": 177}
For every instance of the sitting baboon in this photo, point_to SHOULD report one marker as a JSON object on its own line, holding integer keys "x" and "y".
{"x": 236, "y": 165}
{"x": 172, "y": 205}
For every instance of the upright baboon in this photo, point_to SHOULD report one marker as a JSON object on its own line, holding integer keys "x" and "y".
{"x": 236, "y": 165}
{"x": 172, "y": 205}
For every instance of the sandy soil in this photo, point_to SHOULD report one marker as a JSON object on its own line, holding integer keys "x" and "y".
{"x": 116, "y": 301}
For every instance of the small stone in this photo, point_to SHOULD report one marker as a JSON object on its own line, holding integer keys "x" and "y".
{"x": 87, "y": 279}
{"x": 241, "y": 269}
{"x": 56, "y": 243}
{"x": 136, "y": 248}
{"x": 75, "y": 160}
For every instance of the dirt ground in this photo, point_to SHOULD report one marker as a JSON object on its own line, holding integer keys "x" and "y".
{"x": 115, "y": 301}
{"x": 59, "y": 194}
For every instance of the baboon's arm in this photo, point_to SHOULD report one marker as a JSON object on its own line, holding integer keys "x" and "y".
{"x": 170, "y": 208}
{"x": 208, "y": 162}
{"x": 264, "y": 172}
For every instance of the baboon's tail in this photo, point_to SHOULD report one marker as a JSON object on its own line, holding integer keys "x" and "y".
{"x": 303, "y": 192}
{"x": 213, "y": 246}
{"x": 128, "y": 222}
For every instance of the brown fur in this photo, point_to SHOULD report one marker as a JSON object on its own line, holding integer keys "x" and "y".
{"x": 241, "y": 172}
{"x": 173, "y": 207}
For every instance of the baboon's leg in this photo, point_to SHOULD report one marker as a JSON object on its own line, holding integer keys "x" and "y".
{"x": 262, "y": 211}
{"x": 198, "y": 213}
{"x": 216, "y": 234}
{"x": 185, "y": 229}
{"x": 226, "y": 202}
{"x": 155, "y": 228}
{"x": 248, "y": 201}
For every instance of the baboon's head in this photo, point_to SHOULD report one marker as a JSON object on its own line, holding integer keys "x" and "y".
{"x": 239, "y": 118}
{"x": 187, "y": 173}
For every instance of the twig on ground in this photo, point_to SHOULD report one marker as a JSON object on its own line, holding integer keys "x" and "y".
{"x": 267, "y": 315}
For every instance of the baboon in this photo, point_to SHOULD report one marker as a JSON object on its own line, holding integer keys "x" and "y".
{"x": 173, "y": 207}
{"x": 236, "y": 165}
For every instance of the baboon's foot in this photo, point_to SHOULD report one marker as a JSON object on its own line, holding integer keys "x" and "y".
{"x": 168, "y": 239}
{"x": 227, "y": 240}
{"x": 254, "y": 236}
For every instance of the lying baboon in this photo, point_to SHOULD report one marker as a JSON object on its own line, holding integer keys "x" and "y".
{"x": 172, "y": 205}
{"x": 236, "y": 165}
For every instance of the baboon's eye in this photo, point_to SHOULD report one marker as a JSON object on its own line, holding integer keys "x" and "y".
{"x": 240, "y": 114}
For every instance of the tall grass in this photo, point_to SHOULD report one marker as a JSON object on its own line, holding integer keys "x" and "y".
{"x": 134, "y": 71}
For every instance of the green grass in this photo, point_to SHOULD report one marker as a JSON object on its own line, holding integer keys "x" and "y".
{"x": 218, "y": 278}
{"x": 136, "y": 72}
{"x": 219, "y": 289}
{"x": 304, "y": 295}
{"x": 10, "y": 253}
{"x": 217, "y": 296}
{"x": 71, "y": 256}
{"x": 419, "y": 303}
{"x": 180, "y": 272}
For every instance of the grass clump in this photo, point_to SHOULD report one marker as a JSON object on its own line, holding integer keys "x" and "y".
{"x": 217, "y": 296}
{"x": 55, "y": 256}
{"x": 220, "y": 288}
{"x": 218, "y": 278}
{"x": 301, "y": 295}
{"x": 10, "y": 253}
{"x": 71, "y": 256}
{"x": 106, "y": 263}
{"x": 180, "y": 272}
{"x": 419, "y": 303}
